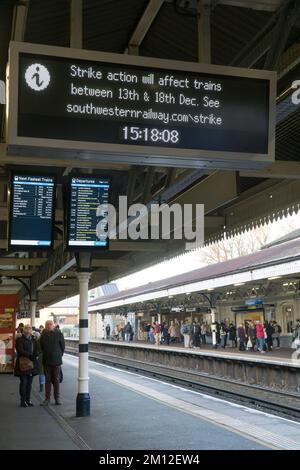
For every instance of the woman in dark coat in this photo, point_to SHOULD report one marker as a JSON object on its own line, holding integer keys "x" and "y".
{"x": 269, "y": 331}
{"x": 232, "y": 335}
{"x": 26, "y": 347}
{"x": 242, "y": 336}
{"x": 165, "y": 333}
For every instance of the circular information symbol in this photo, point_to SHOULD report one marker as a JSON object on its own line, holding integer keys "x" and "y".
{"x": 37, "y": 77}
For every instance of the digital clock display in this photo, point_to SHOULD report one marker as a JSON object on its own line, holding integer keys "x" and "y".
{"x": 166, "y": 136}
{"x": 115, "y": 105}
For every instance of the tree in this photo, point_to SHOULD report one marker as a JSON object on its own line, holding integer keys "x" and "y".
{"x": 243, "y": 244}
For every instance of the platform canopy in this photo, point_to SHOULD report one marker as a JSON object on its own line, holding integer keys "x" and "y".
{"x": 250, "y": 276}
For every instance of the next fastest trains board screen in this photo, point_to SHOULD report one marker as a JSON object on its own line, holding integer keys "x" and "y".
{"x": 79, "y": 100}
{"x": 87, "y": 224}
{"x": 32, "y": 211}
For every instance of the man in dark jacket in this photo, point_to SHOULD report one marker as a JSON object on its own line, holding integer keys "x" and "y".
{"x": 196, "y": 334}
{"x": 27, "y": 350}
{"x": 52, "y": 345}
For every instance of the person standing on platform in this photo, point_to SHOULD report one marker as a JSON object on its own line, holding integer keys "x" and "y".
{"x": 223, "y": 335}
{"x": 218, "y": 335}
{"x": 204, "y": 328}
{"x": 52, "y": 346}
{"x": 269, "y": 329}
{"x": 157, "y": 329}
{"x": 251, "y": 335}
{"x": 296, "y": 336}
{"x": 196, "y": 330}
{"x": 19, "y": 331}
{"x": 172, "y": 332}
{"x": 42, "y": 378}
{"x": 185, "y": 330}
{"x": 241, "y": 337}
{"x": 128, "y": 332}
{"x": 107, "y": 330}
{"x": 232, "y": 335}
{"x": 26, "y": 366}
{"x": 260, "y": 337}
{"x": 165, "y": 333}
{"x": 277, "y": 332}
{"x": 177, "y": 332}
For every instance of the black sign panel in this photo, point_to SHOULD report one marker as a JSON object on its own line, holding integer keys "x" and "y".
{"x": 88, "y": 199}
{"x": 83, "y": 100}
{"x": 32, "y": 211}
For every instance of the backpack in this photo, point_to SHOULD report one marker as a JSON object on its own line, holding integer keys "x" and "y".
{"x": 184, "y": 329}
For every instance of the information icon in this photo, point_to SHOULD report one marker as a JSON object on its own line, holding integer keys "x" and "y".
{"x": 37, "y": 77}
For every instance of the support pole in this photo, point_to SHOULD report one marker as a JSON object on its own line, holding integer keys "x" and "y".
{"x": 214, "y": 328}
{"x": 33, "y": 304}
{"x": 204, "y": 38}
{"x": 83, "y": 396}
{"x": 76, "y": 36}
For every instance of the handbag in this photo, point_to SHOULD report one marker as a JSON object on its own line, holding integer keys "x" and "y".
{"x": 25, "y": 364}
{"x": 295, "y": 343}
{"x": 249, "y": 344}
{"x": 265, "y": 334}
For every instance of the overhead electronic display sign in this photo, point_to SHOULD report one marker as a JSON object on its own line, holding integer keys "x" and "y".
{"x": 134, "y": 109}
{"x": 32, "y": 211}
{"x": 88, "y": 199}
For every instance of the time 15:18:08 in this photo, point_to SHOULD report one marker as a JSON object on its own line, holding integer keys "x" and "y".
{"x": 145, "y": 134}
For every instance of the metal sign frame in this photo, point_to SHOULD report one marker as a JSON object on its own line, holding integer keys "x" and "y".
{"x": 80, "y": 248}
{"x": 126, "y": 153}
{"x": 12, "y": 247}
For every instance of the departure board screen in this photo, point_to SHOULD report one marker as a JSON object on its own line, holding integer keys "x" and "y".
{"x": 32, "y": 211}
{"x": 88, "y": 199}
{"x": 88, "y": 101}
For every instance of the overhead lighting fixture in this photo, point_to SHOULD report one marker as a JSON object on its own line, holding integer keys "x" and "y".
{"x": 274, "y": 277}
{"x": 210, "y": 288}
{"x": 239, "y": 284}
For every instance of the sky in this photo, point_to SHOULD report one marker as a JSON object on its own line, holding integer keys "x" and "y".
{"x": 190, "y": 260}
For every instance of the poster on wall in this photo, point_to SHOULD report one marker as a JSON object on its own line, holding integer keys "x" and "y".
{"x": 8, "y": 304}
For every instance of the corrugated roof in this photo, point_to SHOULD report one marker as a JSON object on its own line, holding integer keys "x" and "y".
{"x": 48, "y": 22}
{"x": 108, "y": 24}
{"x": 288, "y": 137}
{"x": 174, "y": 36}
{"x": 274, "y": 255}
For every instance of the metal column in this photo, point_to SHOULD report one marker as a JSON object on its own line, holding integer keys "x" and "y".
{"x": 33, "y": 304}
{"x": 83, "y": 397}
{"x": 213, "y": 328}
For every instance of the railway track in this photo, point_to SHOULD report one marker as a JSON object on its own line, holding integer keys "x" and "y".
{"x": 283, "y": 404}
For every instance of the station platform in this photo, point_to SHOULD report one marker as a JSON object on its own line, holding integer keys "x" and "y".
{"x": 132, "y": 412}
{"x": 282, "y": 356}
{"x": 277, "y": 370}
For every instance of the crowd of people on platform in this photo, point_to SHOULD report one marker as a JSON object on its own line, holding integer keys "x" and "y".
{"x": 248, "y": 336}
{"x": 39, "y": 352}
{"x": 120, "y": 332}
